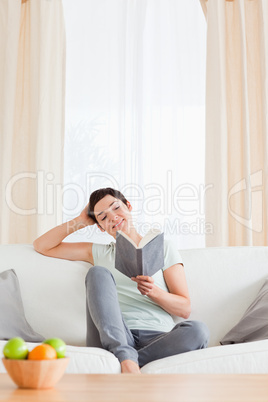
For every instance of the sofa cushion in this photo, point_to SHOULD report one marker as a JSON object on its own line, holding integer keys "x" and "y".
{"x": 52, "y": 291}
{"x": 223, "y": 282}
{"x": 253, "y": 326}
{"x": 243, "y": 358}
{"x": 12, "y": 318}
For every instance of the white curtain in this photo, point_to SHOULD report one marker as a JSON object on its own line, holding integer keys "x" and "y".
{"x": 237, "y": 122}
{"x": 135, "y": 111}
{"x": 32, "y": 85}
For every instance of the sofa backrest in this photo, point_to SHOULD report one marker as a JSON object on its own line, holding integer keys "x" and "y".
{"x": 222, "y": 283}
{"x": 53, "y": 292}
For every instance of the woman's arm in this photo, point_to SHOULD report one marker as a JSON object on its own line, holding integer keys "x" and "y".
{"x": 51, "y": 243}
{"x": 177, "y": 300}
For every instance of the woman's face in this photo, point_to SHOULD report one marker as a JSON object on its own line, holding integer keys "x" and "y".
{"x": 112, "y": 215}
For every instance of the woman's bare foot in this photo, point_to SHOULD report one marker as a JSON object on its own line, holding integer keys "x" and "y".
{"x": 129, "y": 366}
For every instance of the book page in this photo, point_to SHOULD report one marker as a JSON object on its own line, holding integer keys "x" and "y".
{"x": 148, "y": 237}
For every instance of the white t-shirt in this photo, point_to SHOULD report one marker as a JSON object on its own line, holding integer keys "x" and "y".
{"x": 139, "y": 311}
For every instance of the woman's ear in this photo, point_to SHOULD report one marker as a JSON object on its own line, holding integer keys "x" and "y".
{"x": 129, "y": 206}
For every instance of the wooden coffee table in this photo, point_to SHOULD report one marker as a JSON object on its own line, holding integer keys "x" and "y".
{"x": 145, "y": 388}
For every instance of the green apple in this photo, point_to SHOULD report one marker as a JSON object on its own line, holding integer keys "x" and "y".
{"x": 58, "y": 344}
{"x": 15, "y": 349}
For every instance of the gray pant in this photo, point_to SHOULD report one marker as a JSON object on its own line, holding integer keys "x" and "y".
{"x": 107, "y": 329}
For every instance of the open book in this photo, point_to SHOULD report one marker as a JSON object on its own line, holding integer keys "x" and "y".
{"x": 145, "y": 259}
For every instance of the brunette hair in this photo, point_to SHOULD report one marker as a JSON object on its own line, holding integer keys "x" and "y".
{"x": 97, "y": 195}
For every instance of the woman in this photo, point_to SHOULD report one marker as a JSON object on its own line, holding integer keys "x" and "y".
{"x": 132, "y": 318}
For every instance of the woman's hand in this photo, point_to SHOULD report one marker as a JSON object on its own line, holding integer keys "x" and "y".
{"x": 176, "y": 299}
{"x": 145, "y": 285}
{"x": 85, "y": 219}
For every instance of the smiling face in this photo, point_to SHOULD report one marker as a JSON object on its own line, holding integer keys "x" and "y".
{"x": 113, "y": 214}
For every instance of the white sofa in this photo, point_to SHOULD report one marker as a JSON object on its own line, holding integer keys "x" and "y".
{"x": 222, "y": 282}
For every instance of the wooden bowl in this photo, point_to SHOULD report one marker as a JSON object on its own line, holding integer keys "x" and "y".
{"x": 36, "y": 373}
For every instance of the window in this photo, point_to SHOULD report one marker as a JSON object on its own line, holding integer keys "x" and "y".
{"x": 135, "y": 112}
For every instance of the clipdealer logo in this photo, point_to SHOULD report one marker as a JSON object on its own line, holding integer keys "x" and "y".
{"x": 253, "y": 188}
{"x": 178, "y": 206}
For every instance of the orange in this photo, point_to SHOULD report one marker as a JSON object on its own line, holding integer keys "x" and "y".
{"x": 42, "y": 352}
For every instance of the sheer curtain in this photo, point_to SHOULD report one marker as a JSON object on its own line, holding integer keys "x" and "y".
{"x": 32, "y": 87}
{"x": 237, "y": 122}
{"x": 135, "y": 112}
